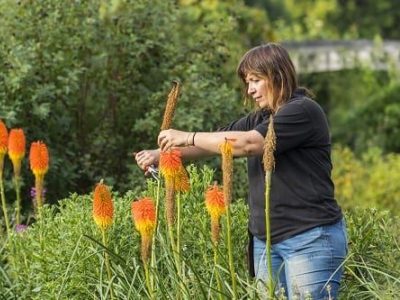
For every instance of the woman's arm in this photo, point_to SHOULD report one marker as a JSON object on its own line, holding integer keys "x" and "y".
{"x": 146, "y": 158}
{"x": 246, "y": 143}
{"x": 206, "y": 144}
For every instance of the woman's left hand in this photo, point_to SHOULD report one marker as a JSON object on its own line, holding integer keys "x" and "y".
{"x": 172, "y": 138}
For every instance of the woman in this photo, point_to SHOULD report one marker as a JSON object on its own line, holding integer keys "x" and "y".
{"x": 308, "y": 233}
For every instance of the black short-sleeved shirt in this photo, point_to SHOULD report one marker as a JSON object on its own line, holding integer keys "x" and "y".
{"x": 302, "y": 191}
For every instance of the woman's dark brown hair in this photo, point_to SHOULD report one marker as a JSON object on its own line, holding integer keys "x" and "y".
{"x": 271, "y": 62}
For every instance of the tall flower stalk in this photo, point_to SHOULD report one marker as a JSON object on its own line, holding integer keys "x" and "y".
{"x": 16, "y": 152}
{"x": 144, "y": 218}
{"x": 103, "y": 212}
{"x": 176, "y": 181}
{"x": 226, "y": 149}
{"x": 215, "y": 204}
{"x": 3, "y": 152}
{"x": 269, "y": 164}
{"x": 39, "y": 162}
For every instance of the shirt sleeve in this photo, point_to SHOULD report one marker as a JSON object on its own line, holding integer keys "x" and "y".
{"x": 293, "y": 127}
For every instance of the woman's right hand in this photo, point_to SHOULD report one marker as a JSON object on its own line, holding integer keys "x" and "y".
{"x": 146, "y": 158}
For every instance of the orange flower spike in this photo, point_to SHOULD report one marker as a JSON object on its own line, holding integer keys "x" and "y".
{"x": 215, "y": 202}
{"x": 16, "y": 148}
{"x": 144, "y": 218}
{"x": 3, "y": 139}
{"x": 3, "y": 144}
{"x": 172, "y": 169}
{"x": 103, "y": 208}
{"x": 182, "y": 183}
{"x": 170, "y": 163}
{"x": 216, "y": 207}
{"x": 39, "y": 158}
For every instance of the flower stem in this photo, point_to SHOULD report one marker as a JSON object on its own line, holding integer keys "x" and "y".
{"x": 153, "y": 244}
{"x": 148, "y": 280}
{"x": 217, "y": 275}
{"x": 178, "y": 243}
{"x": 230, "y": 255}
{"x": 18, "y": 194}
{"x": 4, "y": 204}
{"x": 107, "y": 262}
{"x": 268, "y": 233}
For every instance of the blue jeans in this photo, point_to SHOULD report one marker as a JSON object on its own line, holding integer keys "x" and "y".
{"x": 307, "y": 265}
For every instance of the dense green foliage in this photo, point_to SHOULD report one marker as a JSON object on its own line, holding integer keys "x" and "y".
{"x": 91, "y": 80}
{"x": 60, "y": 257}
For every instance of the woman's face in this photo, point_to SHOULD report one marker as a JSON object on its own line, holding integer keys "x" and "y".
{"x": 257, "y": 88}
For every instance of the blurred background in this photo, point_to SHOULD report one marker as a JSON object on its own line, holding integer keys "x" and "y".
{"x": 91, "y": 78}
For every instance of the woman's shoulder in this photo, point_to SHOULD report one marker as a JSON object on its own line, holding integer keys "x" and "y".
{"x": 301, "y": 102}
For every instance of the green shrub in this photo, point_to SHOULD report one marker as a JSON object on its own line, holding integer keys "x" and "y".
{"x": 60, "y": 256}
{"x": 372, "y": 180}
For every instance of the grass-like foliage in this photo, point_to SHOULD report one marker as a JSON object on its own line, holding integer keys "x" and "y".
{"x": 61, "y": 256}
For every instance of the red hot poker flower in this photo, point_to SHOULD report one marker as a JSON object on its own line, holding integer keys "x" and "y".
{"x": 172, "y": 169}
{"x": 16, "y": 148}
{"x": 216, "y": 207}
{"x": 144, "y": 218}
{"x": 215, "y": 202}
{"x": 39, "y": 158}
{"x": 3, "y": 139}
{"x": 103, "y": 208}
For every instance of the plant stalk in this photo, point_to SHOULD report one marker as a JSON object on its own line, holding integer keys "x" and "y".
{"x": 268, "y": 233}
{"x": 107, "y": 262}
{"x": 148, "y": 280}
{"x": 217, "y": 275}
{"x": 18, "y": 204}
{"x": 153, "y": 244}
{"x": 4, "y": 203}
{"x": 230, "y": 253}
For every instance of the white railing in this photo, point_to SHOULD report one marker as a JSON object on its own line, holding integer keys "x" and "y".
{"x": 326, "y": 56}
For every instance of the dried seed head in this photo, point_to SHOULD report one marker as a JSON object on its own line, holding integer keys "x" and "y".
{"x": 171, "y": 105}
{"x": 269, "y": 147}
{"x": 226, "y": 149}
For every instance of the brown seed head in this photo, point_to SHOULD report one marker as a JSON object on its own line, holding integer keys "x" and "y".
{"x": 171, "y": 105}
{"x": 269, "y": 147}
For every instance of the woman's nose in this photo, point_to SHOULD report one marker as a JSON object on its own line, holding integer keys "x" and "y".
{"x": 250, "y": 90}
